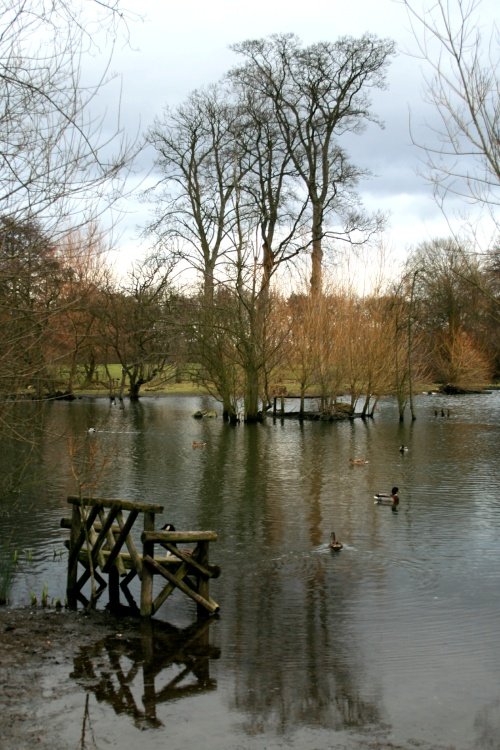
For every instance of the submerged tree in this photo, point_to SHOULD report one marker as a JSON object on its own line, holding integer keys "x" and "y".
{"x": 246, "y": 169}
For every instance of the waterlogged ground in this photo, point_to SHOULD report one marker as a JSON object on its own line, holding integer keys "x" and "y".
{"x": 37, "y": 649}
{"x": 392, "y": 644}
{"x": 44, "y": 705}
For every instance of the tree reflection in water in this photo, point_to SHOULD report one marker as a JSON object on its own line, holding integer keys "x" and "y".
{"x": 154, "y": 663}
{"x": 487, "y": 726}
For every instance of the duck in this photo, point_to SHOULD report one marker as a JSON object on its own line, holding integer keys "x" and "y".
{"x": 198, "y": 444}
{"x": 358, "y": 461}
{"x": 91, "y": 430}
{"x": 383, "y": 498}
{"x": 403, "y": 448}
{"x": 334, "y": 544}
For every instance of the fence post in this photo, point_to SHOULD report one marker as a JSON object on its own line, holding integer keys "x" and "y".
{"x": 148, "y": 549}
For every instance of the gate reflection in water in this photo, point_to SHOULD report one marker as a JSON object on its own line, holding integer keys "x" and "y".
{"x": 151, "y": 665}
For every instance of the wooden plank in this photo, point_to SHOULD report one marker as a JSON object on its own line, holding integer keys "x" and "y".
{"x": 129, "y": 564}
{"x": 105, "y": 535}
{"x": 180, "y": 573}
{"x": 142, "y": 507}
{"x": 94, "y": 550}
{"x": 208, "y": 604}
{"x": 179, "y": 536}
{"x": 190, "y": 560}
{"x": 81, "y": 535}
{"x": 124, "y": 529}
{"x": 136, "y": 557}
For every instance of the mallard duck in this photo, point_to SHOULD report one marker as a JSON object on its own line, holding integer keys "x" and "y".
{"x": 358, "y": 461}
{"x": 334, "y": 543}
{"x": 198, "y": 444}
{"x": 383, "y": 498}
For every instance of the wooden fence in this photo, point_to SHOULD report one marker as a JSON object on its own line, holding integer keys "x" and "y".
{"x": 102, "y": 542}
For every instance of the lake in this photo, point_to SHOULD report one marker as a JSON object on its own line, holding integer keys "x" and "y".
{"x": 394, "y": 639}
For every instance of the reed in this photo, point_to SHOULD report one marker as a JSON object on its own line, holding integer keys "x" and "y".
{"x": 8, "y": 563}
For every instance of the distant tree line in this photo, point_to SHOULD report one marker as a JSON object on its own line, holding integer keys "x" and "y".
{"x": 62, "y": 314}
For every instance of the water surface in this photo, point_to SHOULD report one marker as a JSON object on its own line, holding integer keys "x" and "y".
{"x": 392, "y": 640}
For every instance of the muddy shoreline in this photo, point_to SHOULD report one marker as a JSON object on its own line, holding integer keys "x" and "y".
{"x": 38, "y": 691}
{"x": 37, "y": 649}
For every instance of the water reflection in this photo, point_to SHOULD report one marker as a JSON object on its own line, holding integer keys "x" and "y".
{"x": 296, "y": 661}
{"x": 398, "y": 632}
{"x": 487, "y": 726}
{"x": 135, "y": 672}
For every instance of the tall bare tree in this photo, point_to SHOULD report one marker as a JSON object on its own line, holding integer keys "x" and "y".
{"x": 318, "y": 93}
{"x": 199, "y": 169}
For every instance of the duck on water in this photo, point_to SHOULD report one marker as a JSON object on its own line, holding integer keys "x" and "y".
{"x": 334, "y": 543}
{"x": 382, "y": 498}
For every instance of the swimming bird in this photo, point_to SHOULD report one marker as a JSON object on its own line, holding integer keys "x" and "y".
{"x": 358, "y": 461}
{"x": 198, "y": 444}
{"x": 385, "y": 499}
{"x": 403, "y": 448}
{"x": 91, "y": 430}
{"x": 334, "y": 543}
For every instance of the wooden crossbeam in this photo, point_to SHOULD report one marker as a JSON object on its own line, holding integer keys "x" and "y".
{"x": 110, "y": 502}
{"x": 176, "y": 580}
{"x": 119, "y": 541}
{"x": 84, "y": 530}
{"x": 189, "y": 560}
{"x": 105, "y": 536}
{"x": 179, "y": 536}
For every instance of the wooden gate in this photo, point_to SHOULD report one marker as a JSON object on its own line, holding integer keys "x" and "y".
{"x": 102, "y": 543}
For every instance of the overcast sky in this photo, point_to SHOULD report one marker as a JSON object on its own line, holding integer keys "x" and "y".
{"x": 176, "y": 47}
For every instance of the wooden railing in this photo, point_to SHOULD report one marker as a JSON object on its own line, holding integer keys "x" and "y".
{"x": 101, "y": 541}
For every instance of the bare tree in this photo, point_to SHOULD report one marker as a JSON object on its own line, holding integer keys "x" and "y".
{"x": 225, "y": 180}
{"x": 318, "y": 93}
{"x": 138, "y": 325}
{"x": 31, "y": 281}
{"x": 57, "y": 160}
{"x": 199, "y": 170}
{"x": 463, "y": 149}
{"x": 449, "y": 308}
{"x": 77, "y": 342}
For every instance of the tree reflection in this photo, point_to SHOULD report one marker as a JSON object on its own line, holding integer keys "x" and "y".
{"x": 487, "y": 726}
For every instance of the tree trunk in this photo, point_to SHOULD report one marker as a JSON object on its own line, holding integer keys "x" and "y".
{"x": 252, "y": 395}
{"x": 317, "y": 251}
